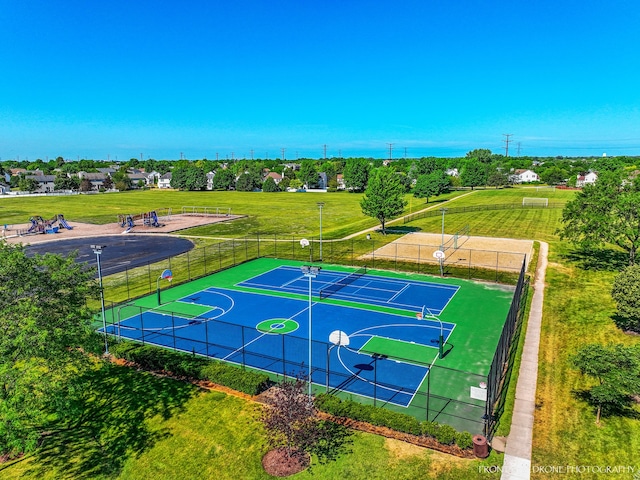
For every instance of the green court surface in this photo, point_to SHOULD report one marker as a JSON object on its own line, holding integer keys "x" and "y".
{"x": 477, "y": 310}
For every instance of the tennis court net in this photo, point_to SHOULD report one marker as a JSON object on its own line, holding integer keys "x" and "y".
{"x": 343, "y": 282}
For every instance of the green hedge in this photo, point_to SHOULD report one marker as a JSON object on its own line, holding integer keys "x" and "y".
{"x": 397, "y": 421}
{"x": 192, "y": 366}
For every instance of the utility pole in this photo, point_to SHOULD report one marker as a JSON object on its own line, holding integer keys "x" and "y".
{"x": 518, "y": 148}
{"x": 252, "y": 154}
{"x": 283, "y": 154}
{"x": 405, "y": 153}
{"x": 325, "y": 151}
{"x": 506, "y": 142}
{"x": 390, "y": 150}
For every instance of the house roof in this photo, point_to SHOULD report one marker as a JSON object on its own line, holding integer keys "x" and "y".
{"x": 42, "y": 178}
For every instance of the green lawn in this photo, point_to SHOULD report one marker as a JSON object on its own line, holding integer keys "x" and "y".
{"x": 577, "y": 310}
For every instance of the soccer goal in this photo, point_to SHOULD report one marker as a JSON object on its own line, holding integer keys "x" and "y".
{"x": 535, "y": 202}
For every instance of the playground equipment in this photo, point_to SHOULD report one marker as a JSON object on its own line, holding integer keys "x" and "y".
{"x": 40, "y": 225}
{"x": 149, "y": 219}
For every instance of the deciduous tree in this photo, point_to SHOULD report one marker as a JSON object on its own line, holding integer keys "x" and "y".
{"x": 605, "y": 212}
{"x": 626, "y": 294}
{"x": 384, "y": 196}
{"x": 616, "y": 369}
{"x": 44, "y": 318}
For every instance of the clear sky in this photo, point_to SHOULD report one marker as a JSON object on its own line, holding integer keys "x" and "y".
{"x": 164, "y": 79}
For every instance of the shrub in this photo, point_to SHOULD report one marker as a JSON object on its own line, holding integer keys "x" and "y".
{"x": 464, "y": 440}
{"x": 446, "y": 434}
{"x": 397, "y": 421}
{"x": 183, "y": 364}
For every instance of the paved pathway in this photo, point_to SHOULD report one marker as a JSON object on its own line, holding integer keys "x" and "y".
{"x": 517, "y": 457}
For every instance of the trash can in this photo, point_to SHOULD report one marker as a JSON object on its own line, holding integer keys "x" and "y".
{"x": 480, "y": 446}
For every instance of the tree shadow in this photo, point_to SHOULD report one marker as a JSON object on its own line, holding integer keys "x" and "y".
{"x": 598, "y": 259}
{"x": 107, "y": 422}
{"x": 612, "y": 411}
{"x": 629, "y": 326}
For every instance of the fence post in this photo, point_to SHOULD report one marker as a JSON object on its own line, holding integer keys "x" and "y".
{"x": 233, "y": 249}
{"x": 149, "y": 275}
{"x": 188, "y": 266}
{"x": 258, "y": 239}
{"x": 204, "y": 257}
{"x": 126, "y": 272}
{"x": 173, "y": 330}
{"x": 220, "y": 255}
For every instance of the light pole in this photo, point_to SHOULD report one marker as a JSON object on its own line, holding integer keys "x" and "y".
{"x": 97, "y": 249}
{"x": 376, "y": 357}
{"x": 320, "y": 204}
{"x": 310, "y": 272}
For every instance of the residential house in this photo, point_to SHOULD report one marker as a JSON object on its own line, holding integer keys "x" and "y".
{"x": 588, "y": 179}
{"x": 340, "y": 180}
{"x": 4, "y": 188}
{"x": 323, "y": 181}
{"x": 523, "y": 176}
{"x": 276, "y": 177}
{"x": 452, "y": 172}
{"x": 45, "y": 182}
{"x": 96, "y": 179}
{"x": 210, "y": 176}
{"x": 165, "y": 180}
{"x": 137, "y": 177}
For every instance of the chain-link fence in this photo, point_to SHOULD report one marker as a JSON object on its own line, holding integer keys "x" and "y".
{"x": 444, "y": 397}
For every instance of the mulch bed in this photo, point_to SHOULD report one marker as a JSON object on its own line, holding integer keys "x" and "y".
{"x": 277, "y": 463}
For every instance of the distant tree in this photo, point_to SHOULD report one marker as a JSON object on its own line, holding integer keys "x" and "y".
{"x": 474, "y": 174}
{"x": 63, "y": 182}
{"x": 553, "y": 176}
{"x": 269, "y": 185}
{"x": 384, "y": 196}
{"x": 356, "y": 174}
{"x": 107, "y": 184}
{"x": 121, "y": 179}
{"x": 308, "y": 173}
{"x": 431, "y": 185}
{"x": 605, "y": 212}
{"x": 483, "y": 155}
{"x": 497, "y": 179}
{"x": 245, "y": 182}
{"x": 616, "y": 368}
{"x": 295, "y": 183}
{"x": 188, "y": 177}
{"x": 626, "y": 294}
{"x": 85, "y": 185}
{"x": 27, "y": 184}
{"x": 224, "y": 179}
{"x": 284, "y": 184}
{"x": 424, "y": 166}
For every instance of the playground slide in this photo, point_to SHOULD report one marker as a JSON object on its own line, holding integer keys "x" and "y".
{"x": 63, "y": 222}
{"x": 34, "y": 226}
{"x": 154, "y": 218}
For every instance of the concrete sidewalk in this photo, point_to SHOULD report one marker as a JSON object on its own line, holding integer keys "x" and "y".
{"x": 517, "y": 457}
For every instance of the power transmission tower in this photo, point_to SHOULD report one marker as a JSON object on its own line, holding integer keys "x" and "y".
{"x": 325, "y": 151}
{"x": 390, "y": 150}
{"x": 518, "y": 148}
{"x": 506, "y": 142}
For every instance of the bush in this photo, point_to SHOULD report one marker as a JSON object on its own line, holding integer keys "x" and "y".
{"x": 187, "y": 365}
{"x": 397, "y": 421}
{"x": 446, "y": 434}
{"x": 464, "y": 440}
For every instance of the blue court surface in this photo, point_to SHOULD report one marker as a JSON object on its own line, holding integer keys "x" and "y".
{"x": 388, "y": 355}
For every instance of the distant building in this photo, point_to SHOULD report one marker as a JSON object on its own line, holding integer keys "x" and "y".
{"x": 45, "y": 182}
{"x": 588, "y": 179}
{"x": 524, "y": 176}
{"x": 165, "y": 180}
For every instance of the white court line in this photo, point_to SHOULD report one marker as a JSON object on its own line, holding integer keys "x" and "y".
{"x": 399, "y": 292}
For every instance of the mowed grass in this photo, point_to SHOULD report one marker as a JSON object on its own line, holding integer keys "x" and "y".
{"x": 578, "y": 309}
{"x": 216, "y": 435}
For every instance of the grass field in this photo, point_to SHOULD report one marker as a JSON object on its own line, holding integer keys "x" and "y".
{"x": 577, "y": 310}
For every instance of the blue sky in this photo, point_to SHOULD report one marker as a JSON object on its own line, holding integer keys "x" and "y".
{"x": 161, "y": 79}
